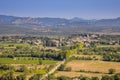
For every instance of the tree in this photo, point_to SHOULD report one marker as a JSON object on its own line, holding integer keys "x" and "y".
{"x": 61, "y": 68}
{"x": 106, "y": 77}
{"x": 117, "y": 76}
{"x": 92, "y": 44}
{"x": 78, "y": 46}
{"x": 21, "y": 77}
{"x": 36, "y": 77}
{"x": 94, "y": 78}
{"x": 8, "y": 76}
{"x": 111, "y": 71}
{"x": 50, "y": 77}
{"x": 68, "y": 69}
{"x": 84, "y": 78}
{"x": 63, "y": 78}
{"x": 40, "y": 62}
{"x": 23, "y": 69}
{"x": 63, "y": 55}
{"x": 4, "y": 67}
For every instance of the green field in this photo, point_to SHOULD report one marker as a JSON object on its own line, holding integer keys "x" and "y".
{"x": 40, "y": 71}
{"x": 108, "y": 45}
{"x": 14, "y": 44}
{"x": 24, "y": 61}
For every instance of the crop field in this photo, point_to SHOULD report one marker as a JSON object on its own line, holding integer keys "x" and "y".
{"x": 92, "y": 67}
{"x": 74, "y": 74}
{"x": 108, "y": 45}
{"x": 99, "y": 66}
{"x": 40, "y": 72}
{"x": 13, "y": 44}
{"x": 91, "y": 56}
{"x": 24, "y": 61}
{"x": 89, "y": 68}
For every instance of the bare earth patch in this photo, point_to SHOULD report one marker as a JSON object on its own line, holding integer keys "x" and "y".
{"x": 100, "y": 66}
{"x": 76, "y": 74}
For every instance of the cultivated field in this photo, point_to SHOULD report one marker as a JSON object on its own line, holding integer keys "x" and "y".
{"x": 13, "y": 44}
{"x": 76, "y": 74}
{"x": 89, "y": 68}
{"x": 108, "y": 45}
{"x": 25, "y": 61}
{"x": 100, "y": 66}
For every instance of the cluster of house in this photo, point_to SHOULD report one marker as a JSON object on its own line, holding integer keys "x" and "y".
{"x": 71, "y": 41}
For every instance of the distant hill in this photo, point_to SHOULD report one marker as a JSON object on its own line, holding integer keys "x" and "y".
{"x": 29, "y": 25}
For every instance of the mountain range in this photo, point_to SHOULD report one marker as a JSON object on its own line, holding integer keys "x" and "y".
{"x": 46, "y": 25}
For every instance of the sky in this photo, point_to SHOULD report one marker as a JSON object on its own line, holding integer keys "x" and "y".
{"x": 87, "y": 9}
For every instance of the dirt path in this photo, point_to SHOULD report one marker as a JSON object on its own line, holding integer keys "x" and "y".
{"x": 53, "y": 70}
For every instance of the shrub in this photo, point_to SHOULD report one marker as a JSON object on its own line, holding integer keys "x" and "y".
{"x": 84, "y": 78}
{"x": 82, "y": 70}
{"x": 61, "y": 68}
{"x": 111, "y": 71}
{"x": 21, "y": 77}
{"x": 68, "y": 69}
{"x": 107, "y": 78}
{"x": 63, "y": 78}
{"x": 117, "y": 76}
{"x": 94, "y": 78}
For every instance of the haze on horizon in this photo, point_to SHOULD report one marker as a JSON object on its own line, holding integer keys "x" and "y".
{"x": 87, "y": 9}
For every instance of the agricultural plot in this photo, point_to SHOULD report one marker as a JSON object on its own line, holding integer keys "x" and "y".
{"x": 98, "y": 57}
{"x": 99, "y": 66}
{"x": 25, "y": 61}
{"x": 74, "y": 74}
{"x": 89, "y": 68}
{"x": 108, "y": 45}
{"x": 13, "y": 44}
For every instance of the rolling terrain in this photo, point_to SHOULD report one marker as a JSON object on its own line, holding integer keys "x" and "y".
{"x": 56, "y": 26}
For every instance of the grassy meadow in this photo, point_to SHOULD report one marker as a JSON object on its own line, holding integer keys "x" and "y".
{"x": 25, "y": 61}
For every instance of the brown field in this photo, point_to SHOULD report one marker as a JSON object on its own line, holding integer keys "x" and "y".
{"x": 96, "y": 56}
{"x": 52, "y": 48}
{"x": 76, "y": 74}
{"x": 93, "y": 66}
{"x": 100, "y": 66}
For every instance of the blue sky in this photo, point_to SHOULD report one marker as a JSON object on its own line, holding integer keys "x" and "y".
{"x": 88, "y": 9}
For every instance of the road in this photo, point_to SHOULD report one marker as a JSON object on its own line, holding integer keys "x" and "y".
{"x": 53, "y": 70}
